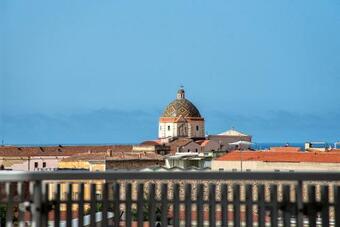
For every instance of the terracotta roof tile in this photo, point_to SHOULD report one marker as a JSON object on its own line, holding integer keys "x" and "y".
{"x": 178, "y": 143}
{"x": 16, "y": 151}
{"x": 136, "y": 156}
{"x": 268, "y": 156}
{"x": 205, "y": 142}
{"x": 285, "y": 149}
{"x": 114, "y": 156}
{"x": 151, "y": 142}
{"x": 202, "y": 142}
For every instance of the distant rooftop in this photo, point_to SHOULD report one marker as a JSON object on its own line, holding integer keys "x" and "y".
{"x": 60, "y": 150}
{"x": 232, "y": 132}
{"x": 270, "y": 156}
{"x": 114, "y": 156}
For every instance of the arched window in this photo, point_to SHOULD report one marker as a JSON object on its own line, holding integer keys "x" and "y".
{"x": 197, "y": 128}
{"x": 168, "y": 127}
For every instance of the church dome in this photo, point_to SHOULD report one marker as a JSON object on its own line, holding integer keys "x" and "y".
{"x": 181, "y": 107}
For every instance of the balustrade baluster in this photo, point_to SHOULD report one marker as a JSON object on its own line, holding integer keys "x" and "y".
{"x": 81, "y": 205}
{"x": 236, "y": 205}
{"x": 325, "y": 205}
{"x": 93, "y": 206}
{"x": 249, "y": 205}
{"x": 224, "y": 205}
{"x": 116, "y": 204}
{"x": 188, "y": 205}
{"x": 311, "y": 206}
{"x": 176, "y": 205}
{"x": 212, "y": 205}
{"x": 274, "y": 207}
{"x": 140, "y": 205}
{"x": 261, "y": 206}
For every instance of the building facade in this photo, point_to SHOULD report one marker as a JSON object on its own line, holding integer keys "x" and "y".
{"x": 226, "y": 139}
{"x": 277, "y": 161}
{"x": 47, "y": 158}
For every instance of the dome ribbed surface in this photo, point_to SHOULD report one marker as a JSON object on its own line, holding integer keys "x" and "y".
{"x": 181, "y": 107}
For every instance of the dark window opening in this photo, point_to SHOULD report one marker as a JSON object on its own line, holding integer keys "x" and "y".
{"x": 197, "y": 128}
{"x": 44, "y": 164}
{"x": 36, "y": 164}
{"x": 168, "y": 127}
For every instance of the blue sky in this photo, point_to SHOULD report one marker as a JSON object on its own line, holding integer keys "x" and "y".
{"x": 103, "y": 71}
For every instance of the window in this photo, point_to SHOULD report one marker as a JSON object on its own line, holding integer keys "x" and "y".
{"x": 196, "y": 150}
{"x": 36, "y": 164}
{"x": 188, "y": 150}
{"x": 197, "y": 128}
{"x": 168, "y": 127}
{"x": 44, "y": 164}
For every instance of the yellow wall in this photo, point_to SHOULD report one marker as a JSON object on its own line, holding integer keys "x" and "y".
{"x": 80, "y": 164}
{"x": 74, "y": 165}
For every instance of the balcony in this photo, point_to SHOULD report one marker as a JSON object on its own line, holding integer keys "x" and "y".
{"x": 127, "y": 198}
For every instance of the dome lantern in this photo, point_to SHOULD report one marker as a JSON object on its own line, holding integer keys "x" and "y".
{"x": 181, "y": 93}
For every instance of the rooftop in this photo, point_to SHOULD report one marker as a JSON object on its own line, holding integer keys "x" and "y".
{"x": 232, "y": 132}
{"x": 270, "y": 156}
{"x": 117, "y": 156}
{"x": 285, "y": 149}
{"x": 60, "y": 150}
